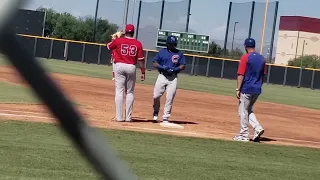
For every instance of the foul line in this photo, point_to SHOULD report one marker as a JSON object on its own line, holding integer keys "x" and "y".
{"x": 24, "y": 112}
{"x": 139, "y": 128}
{"x": 159, "y": 130}
{"x": 20, "y": 115}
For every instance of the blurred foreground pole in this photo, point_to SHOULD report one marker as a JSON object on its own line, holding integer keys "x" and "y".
{"x": 95, "y": 22}
{"x": 91, "y": 145}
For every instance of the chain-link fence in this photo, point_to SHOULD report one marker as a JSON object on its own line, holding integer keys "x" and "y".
{"x": 239, "y": 25}
{"x": 175, "y": 15}
{"x": 162, "y": 14}
{"x": 257, "y": 26}
{"x": 112, "y": 10}
{"x": 149, "y": 23}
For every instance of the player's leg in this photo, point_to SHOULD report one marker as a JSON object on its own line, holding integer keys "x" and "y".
{"x": 112, "y": 70}
{"x": 171, "y": 93}
{"x": 258, "y": 130}
{"x": 120, "y": 80}
{"x": 158, "y": 91}
{"x": 244, "y": 103}
{"x": 130, "y": 84}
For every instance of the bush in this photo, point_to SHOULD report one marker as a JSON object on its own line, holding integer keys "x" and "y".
{"x": 308, "y": 61}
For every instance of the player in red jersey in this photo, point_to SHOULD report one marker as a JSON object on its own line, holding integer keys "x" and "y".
{"x": 127, "y": 53}
{"x": 115, "y": 36}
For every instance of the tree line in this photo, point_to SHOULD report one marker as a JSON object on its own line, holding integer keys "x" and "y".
{"x": 66, "y": 26}
{"x": 307, "y": 61}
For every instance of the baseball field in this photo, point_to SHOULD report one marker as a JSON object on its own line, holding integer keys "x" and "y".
{"x": 32, "y": 147}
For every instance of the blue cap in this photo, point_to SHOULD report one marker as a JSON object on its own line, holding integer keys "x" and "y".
{"x": 172, "y": 40}
{"x": 250, "y": 42}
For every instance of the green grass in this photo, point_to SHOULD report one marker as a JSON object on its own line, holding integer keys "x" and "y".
{"x": 13, "y": 93}
{"x": 40, "y": 151}
{"x": 302, "y": 97}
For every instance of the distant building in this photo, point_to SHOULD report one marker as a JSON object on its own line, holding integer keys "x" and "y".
{"x": 297, "y": 36}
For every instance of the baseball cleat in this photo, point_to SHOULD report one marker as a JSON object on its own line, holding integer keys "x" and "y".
{"x": 240, "y": 138}
{"x": 257, "y": 135}
{"x": 165, "y": 121}
{"x": 112, "y": 79}
{"x": 155, "y": 116}
{"x": 120, "y": 120}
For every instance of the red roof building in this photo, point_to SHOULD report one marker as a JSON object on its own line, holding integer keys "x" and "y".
{"x": 297, "y": 36}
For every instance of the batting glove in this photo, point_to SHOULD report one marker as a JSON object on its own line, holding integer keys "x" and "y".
{"x": 177, "y": 70}
{"x": 164, "y": 68}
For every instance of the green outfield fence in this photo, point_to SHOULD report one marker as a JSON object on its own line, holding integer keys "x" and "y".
{"x": 87, "y": 52}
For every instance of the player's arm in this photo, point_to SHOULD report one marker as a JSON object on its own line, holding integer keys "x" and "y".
{"x": 141, "y": 60}
{"x": 112, "y": 45}
{"x": 182, "y": 64}
{"x": 241, "y": 71}
{"x": 156, "y": 61}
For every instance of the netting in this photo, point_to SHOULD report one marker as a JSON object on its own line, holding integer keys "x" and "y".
{"x": 75, "y": 7}
{"x": 174, "y": 19}
{"x": 257, "y": 26}
{"x": 239, "y": 25}
{"x": 149, "y": 23}
{"x": 241, "y": 13}
{"x": 175, "y": 15}
{"x": 113, "y": 10}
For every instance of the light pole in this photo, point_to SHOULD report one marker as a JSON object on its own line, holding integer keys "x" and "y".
{"x": 304, "y": 43}
{"x": 234, "y": 32}
{"x": 95, "y": 22}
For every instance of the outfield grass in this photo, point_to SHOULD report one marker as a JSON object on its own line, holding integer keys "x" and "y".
{"x": 40, "y": 151}
{"x": 302, "y": 97}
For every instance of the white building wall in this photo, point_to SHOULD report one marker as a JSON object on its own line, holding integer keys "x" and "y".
{"x": 290, "y": 45}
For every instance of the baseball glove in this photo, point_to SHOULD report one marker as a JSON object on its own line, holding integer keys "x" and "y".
{"x": 116, "y": 35}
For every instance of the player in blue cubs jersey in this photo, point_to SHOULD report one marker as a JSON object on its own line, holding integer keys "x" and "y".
{"x": 169, "y": 62}
{"x": 252, "y": 69}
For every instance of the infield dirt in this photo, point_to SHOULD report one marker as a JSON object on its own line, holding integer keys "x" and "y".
{"x": 202, "y": 114}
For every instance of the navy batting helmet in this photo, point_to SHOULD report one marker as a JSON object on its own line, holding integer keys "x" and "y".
{"x": 172, "y": 40}
{"x": 250, "y": 42}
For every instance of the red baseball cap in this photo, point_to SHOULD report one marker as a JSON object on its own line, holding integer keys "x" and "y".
{"x": 129, "y": 28}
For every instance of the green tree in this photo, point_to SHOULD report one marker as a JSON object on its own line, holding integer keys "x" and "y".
{"x": 215, "y": 50}
{"x": 235, "y": 54}
{"x": 67, "y": 26}
{"x": 308, "y": 61}
{"x": 105, "y": 30}
{"x": 51, "y": 18}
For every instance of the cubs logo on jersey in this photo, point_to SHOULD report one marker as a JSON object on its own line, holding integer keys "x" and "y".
{"x": 175, "y": 59}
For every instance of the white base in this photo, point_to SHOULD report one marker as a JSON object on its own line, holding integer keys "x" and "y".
{"x": 171, "y": 125}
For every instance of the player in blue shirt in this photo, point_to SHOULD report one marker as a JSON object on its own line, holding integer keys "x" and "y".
{"x": 251, "y": 71}
{"x": 169, "y": 62}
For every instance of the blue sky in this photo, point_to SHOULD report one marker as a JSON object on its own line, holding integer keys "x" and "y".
{"x": 208, "y": 16}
